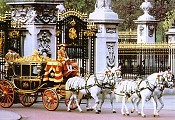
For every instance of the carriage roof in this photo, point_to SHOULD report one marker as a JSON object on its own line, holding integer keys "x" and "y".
{"x": 34, "y": 58}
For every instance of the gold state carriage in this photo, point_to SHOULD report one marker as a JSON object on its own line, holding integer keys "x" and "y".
{"x": 32, "y": 77}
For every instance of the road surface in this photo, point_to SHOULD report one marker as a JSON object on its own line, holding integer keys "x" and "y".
{"x": 38, "y": 112}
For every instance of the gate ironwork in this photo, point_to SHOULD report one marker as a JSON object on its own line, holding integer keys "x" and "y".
{"x": 74, "y": 31}
{"x": 145, "y": 58}
{"x": 9, "y": 37}
{"x": 3, "y": 35}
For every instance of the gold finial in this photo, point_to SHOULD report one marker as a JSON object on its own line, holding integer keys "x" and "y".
{"x": 73, "y": 22}
{"x": 35, "y": 52}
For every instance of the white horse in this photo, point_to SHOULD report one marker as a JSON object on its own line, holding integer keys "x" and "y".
{"x": 108, "y": 89}
{"x": 157, "y": 94}
{"x": 92, "y": 86}
{"x": 140, "y": 90}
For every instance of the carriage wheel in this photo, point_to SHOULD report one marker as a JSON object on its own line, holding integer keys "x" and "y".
{"x": 73, "y": 104}
{"x": 6, "y": 94}
{"x": 27, "y": 100}
{"x": 50, "y": 99}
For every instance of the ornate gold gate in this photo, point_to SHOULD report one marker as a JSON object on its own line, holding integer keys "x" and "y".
{"x": 79, "y": 37}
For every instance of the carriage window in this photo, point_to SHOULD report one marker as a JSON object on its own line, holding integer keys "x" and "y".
{"x": 26, "y": 70}
{"x": 34, "y": 71}
{"x": 17, "y": 69}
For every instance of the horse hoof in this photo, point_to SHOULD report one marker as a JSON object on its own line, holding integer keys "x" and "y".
{"x": 144, "y": 116}
{"x": 132, "y": 111}
{"x": 99, "y": 110}
{"x": 139, "y": 113}
{"x": 91, "y": 109}
{"x": 123, "y": 114}
{"x": 156, "y": 115}
{"x": 68, "y": 110}
{"x": 81, "y": 111}
{"x": 114, "y": 112}
{"x": 127, "y": 114}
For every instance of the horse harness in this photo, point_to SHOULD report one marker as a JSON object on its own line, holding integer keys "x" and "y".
{"x": 148, "y": 86}
{"x": 102, "y": 86}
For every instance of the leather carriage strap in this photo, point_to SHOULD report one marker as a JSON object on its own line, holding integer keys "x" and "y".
{"x": 143, "y": 88}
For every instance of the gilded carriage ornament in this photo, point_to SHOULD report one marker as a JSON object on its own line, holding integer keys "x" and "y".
{"x": 72, "y": 33}
{"x": 25, "y": 84}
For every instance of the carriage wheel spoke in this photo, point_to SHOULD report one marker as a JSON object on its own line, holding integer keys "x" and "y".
{"x": 50, "y": 99}
{"x": 28, "y": 100}
{"x": 6, "y": 94}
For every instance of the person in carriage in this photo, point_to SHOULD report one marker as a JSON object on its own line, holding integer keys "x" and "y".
{"x": 70, "y": 66}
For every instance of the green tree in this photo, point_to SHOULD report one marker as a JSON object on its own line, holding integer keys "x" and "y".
{"x": 169, "y": 19}
{"x": 128, "y": 10}
{"x": 163, "y": 11}
{"x": 3, "y": 7}
{"x": 85, "y": 6}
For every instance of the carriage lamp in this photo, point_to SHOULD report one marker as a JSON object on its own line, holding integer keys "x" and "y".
{"x": 6, "y": 68}
{"x": 38, "y": 68}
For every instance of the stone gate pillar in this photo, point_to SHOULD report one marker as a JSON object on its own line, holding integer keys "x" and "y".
{"x": 39, "y": 20}
{"x": 106, "y": 51}
{"x": 171, "y": 33}
{"x": 146, "y": 29}
{"x": 146, "y": 33}
{"x": 171, "y": 41}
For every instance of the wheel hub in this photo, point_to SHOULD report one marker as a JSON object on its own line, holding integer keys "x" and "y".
{"x": 5, "y": 93}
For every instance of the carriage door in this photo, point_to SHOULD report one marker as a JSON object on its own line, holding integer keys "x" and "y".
{"x": 71, "y": 31}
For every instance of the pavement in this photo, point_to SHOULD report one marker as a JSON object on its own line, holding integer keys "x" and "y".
{"x": 8, "y": 115}
{"x": 18, "y": 112}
